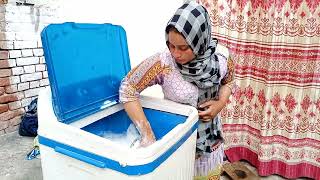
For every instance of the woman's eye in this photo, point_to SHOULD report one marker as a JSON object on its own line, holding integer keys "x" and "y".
{"x": 171, "y": 46}
{"x": 179, "y": 47}
{"x": 184, "y": 48}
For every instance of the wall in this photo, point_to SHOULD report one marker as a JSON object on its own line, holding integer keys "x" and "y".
{"x": 22, "y": 65}
{"x": 143, "y": 20}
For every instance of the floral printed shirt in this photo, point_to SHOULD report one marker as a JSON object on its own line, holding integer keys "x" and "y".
{"x": 161, "y": 69}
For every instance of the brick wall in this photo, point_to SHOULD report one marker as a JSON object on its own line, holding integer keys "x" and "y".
{"x": 22, "y": 66}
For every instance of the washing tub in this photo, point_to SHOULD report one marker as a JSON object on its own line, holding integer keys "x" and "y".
{"x": 86, "y": 63}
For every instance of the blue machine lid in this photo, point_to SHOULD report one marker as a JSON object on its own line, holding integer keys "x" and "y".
{"x": 86, "y": 63}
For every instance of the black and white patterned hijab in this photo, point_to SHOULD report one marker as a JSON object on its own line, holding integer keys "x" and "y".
{"x": 193, "y": 22}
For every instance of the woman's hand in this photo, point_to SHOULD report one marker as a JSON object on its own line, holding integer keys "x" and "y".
{"x": 147, "y": 139}
{"x": 146, "y": 133}
{"x": 136, "y": 114}
{"x": 211, "y": 108}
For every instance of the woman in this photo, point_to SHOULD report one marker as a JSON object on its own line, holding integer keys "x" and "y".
{"x": 195, "y": 71}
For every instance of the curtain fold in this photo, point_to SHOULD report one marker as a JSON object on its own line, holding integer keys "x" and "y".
{"x": 273, "y": 119}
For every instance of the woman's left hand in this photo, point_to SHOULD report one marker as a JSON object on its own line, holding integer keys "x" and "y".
{"x": 210, "y": 110}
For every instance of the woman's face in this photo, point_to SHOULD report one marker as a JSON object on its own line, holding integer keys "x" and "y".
{"x": 179, "y": 48}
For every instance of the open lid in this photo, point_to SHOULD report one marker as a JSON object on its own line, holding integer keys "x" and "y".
{"x": 86, "y": 63}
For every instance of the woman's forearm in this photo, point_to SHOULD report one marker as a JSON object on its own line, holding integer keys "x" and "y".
{"x": 134, "y": 110}
{"x": 224, "y": 95}
{"x": 136, "y": 114}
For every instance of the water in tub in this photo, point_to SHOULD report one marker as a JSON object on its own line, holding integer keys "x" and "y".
{"x": 131, "y": 138}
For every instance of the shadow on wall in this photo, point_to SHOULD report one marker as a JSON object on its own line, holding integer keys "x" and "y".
{"x": 35, "y": 19}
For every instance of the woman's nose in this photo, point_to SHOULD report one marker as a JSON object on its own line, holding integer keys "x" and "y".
{"x": 176, "y": 53}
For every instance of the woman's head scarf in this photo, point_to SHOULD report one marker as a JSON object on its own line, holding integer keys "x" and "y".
{"x": 193, "y": 22}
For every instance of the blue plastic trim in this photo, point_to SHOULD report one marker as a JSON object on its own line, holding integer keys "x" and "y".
{"x": 103, "y": 162}
{"x": 80, "y": 157}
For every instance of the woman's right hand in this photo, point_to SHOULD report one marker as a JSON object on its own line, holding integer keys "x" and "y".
{"x": 147, "y": 139}
{"x": 146, "y": 133}
{"x": 136, "y": 114}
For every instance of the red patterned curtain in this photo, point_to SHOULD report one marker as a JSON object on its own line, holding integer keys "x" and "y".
{"x": 273, "y": 119}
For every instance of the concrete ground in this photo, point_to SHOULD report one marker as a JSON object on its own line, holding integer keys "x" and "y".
{"x": 13, "y": 163}
{"x": 14, "y": 166}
